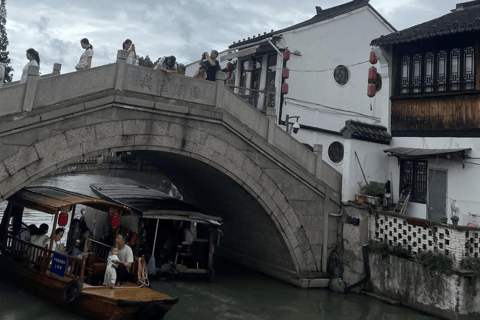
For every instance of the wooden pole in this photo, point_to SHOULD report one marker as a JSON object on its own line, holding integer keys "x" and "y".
{"x": 155, "y": 239}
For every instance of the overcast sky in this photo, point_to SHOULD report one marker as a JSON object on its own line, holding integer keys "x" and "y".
{"x": 184, "y": 28}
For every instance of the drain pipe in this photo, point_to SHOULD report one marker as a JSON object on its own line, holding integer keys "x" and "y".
{"x": 366, "y": 267}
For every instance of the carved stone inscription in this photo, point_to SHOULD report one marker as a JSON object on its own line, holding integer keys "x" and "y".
{"x": 180, "y": 89}
{"x": 146, "y": 82}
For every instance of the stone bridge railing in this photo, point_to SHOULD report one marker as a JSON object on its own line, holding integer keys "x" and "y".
{"x": 46, "y": 98}
{"x": 419, "y": 235}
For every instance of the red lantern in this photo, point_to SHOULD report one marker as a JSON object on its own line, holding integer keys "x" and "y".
{"x": 229, "y": 67}
{"x": 63, "y": 219}
{"x": 115, "y": 220}
{"x": 372, "y": 74}
{"x": 372, "y": 89}
{"x": 286, "y": 55}
{"x": 285, "y": 73}
{"x": 373, "y": 57}
{"x": 285, "y": 88}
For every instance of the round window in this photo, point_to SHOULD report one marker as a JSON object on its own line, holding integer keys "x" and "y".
{"x": 341, "y": 75}
{"x": 335, "y": 152}
{"x": 378, "y": 83}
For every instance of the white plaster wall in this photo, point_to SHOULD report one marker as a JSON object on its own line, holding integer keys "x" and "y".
{"x": 462, "y": 183}
{"x": 341, "y": 41}
{"x": 374, "y": 163}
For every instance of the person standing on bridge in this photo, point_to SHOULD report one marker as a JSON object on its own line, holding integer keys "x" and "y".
{"x": 132, "y": 55}
{"x": 86, "y": 58}
{"x": 34, "y": 60}
{"x": 212, "y": 64}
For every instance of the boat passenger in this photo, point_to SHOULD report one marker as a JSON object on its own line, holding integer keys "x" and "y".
{"x": 56, "y": 238}
{"x": 25, "y": 234}
{"x": 125, "y": 255}
{"x": 112, "y": 264}
{"x": 41, "y": 238}
{"x": 83, "y": 246}
{"x": 74, "y": 234}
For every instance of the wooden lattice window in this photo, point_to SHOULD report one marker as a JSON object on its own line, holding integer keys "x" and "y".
{"x": 449, "y": 69}
{"x": 413, "y": 173}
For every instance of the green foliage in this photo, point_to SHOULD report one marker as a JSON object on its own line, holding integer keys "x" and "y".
{"x": 4, "y": 42}
{"x": 436, "y": 262}
{"x": 145, "y": 62}
{"x": 181, "y": 68}
{"x": 374, "y": 189}
{"x": 384, "y": 249}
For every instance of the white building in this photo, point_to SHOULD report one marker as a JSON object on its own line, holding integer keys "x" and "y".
{"x": 327, "y": 85}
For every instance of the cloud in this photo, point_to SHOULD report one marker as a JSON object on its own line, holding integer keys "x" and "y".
{"x": 184, "y": 28}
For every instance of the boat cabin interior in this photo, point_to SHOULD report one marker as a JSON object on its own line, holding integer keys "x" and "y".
{"x": 61, "y": 206}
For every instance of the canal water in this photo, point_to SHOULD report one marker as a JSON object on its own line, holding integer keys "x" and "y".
{"x": 236, "y": 292}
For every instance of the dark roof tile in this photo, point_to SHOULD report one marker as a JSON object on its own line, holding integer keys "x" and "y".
{"x": 466, "y": 18}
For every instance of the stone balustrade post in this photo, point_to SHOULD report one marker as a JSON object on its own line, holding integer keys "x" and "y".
{"x": 30, "y": 88}
{"x": 272, "y": 120}
{"x": 121, "y": 68}
{"x": 318, "y": 150}
{"x": 56, "y": 69}
{"x": 219, "y": 79}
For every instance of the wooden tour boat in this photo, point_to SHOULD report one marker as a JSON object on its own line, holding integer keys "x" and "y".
{"x": 64, "y": 279}
{"x": 164, "y": 218}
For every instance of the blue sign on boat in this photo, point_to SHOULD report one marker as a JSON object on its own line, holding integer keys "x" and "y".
{"x": 59, "y": 264}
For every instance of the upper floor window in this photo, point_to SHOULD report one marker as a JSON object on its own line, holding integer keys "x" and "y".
{"x": 449, "y": 69}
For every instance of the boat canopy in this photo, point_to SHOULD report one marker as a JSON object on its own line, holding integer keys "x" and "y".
{"x": 52, "y": 200}
{"x": 153, "y": 204}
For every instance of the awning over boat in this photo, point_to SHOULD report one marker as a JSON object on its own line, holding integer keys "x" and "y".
{"x": 52, "y": 200}
{"x": 152, "y": 204}
{"x": 241, "y": 53}
{"x": 415, "y": 153}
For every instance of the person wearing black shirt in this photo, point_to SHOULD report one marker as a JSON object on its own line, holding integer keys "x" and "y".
{"x": 212, "y": 64}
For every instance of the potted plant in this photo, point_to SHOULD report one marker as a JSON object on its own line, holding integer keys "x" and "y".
{"x": 455, "y": 219}
{"x": 374, "y": 190}
{"x": 444, "y": 219}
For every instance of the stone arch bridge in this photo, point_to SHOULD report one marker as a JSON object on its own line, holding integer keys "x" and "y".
{"x": 276, "y": 197}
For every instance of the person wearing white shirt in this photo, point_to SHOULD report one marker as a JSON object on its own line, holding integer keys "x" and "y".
{"x": 57, "y": 246}
{"x": 34, "y": 60}
{"x": 86, "y": 58}
{"x": 132, "y": 55}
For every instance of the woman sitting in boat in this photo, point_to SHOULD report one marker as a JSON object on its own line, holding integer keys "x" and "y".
{"x": 74, "y": 234}
{"x": 82, "y": 245}
{"x": 56, "y": 238}
{"x": 25, "y": 234}
{"x": 112, "y": 264}
{"x": 125, "y": 255}
{"x": 41, "y": 238}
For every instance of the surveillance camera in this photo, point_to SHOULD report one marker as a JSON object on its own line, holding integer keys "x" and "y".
{"x": 296, "y": 126}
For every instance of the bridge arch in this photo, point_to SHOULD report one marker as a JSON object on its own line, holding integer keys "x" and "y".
{"x": 212, "y": 149}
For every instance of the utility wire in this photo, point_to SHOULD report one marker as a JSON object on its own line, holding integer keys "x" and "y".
{"x": 352, "y": 65}
{"x": 346, "y": 112}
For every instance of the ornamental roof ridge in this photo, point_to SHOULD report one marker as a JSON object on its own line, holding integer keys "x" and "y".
{"x": 322, "y": 15}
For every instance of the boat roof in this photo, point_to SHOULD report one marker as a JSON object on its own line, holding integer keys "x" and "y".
{"x": 152, "y": 204}
{"x": 52, "y": 200}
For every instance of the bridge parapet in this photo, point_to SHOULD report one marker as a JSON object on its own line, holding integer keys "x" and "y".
{"x": 26, "y": 102}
